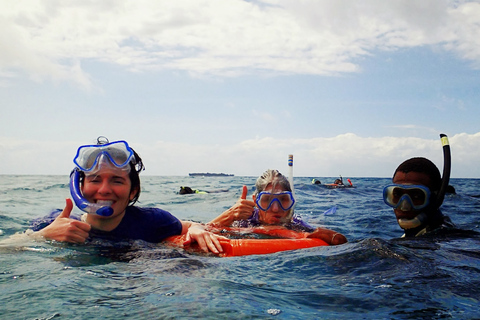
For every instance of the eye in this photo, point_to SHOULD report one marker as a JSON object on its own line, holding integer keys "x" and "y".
{"x": 119, "y": 180}
{"x": 417, "y": 196}
{"x": 397, "y": 193}
{"x": 93, "y": 179}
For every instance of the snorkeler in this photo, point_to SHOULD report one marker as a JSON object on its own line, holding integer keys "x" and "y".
{"x": 417, "y": 194}
{"x": 272, "y": 204}
{"x": 188, "y": 190}
{"x": 105, "y": 184}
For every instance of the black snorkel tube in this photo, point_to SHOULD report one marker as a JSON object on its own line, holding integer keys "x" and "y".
{"x": 447, "y": 164}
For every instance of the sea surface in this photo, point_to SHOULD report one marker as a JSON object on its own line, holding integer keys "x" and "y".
{"x": 376, "y": 275}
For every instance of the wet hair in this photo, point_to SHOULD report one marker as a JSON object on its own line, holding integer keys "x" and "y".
{"x": 136, "y": 166}
{"x": 425, "y": 166}
{"x": 274, "y": 177}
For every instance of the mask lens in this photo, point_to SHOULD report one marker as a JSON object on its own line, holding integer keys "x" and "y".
{"x": 118, "y": 152}
{"x": 417, "y": 195}
{"x": 266, "y": 199}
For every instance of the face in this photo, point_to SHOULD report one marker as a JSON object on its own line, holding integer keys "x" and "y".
{"x": 109, "y": 185}
{"x": 416, "y": 178}
{"x": 275, "y": 214}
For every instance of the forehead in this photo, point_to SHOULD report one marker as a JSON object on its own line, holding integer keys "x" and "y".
{"x": 412, "y": 177}
{"x": 274, "y": 186}
{"x": 109, "y": 173}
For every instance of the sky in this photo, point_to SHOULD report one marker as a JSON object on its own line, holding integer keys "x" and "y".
{"x": 350, "y": 88}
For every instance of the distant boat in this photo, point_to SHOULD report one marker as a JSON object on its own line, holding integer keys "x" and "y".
{"x": 209, "y": 174}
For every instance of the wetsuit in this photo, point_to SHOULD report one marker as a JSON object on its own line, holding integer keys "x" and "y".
{"x": 436, "y": 222}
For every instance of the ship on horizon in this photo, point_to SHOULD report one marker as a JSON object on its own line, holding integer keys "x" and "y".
{"x": 210, "y": 174}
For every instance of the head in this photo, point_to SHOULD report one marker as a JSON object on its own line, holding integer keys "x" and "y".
{"x": 108, "y": 175}
{"x": 417, "y": 200}
{"x": 186, "y": 190}
{"x": 272, "y": 191}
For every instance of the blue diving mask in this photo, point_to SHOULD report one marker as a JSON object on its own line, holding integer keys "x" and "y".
{"x": 92, "y": 158}
{"x": 266, "y": 199}
{"x": 417, "y": 196}
{"x": 118, "y": 153}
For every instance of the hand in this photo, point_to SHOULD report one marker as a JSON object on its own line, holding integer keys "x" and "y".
{"x": 207, "y": 241}
{"x": 329, "y": 236}
{"x": 241, "y": 210}
{"x": 65, "y": 229}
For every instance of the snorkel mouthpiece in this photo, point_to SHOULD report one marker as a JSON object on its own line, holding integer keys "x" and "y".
{"x": 412, "y": 223}
{"x": 101, "y": 208}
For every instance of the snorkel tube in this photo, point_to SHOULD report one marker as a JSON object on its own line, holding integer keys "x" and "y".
{"x": 438, "y": 200}
{"x": 290, "y": 173}
{"x": 447, "y": 164}
{"x": 93, "y": 208}
{"x": 290, "y": 180}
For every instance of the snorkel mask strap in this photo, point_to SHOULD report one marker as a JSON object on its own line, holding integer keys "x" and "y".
{"x": 447, "y": 164}
{"x": 81, "y": 202}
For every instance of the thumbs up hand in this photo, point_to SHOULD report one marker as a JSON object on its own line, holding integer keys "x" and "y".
{"x": 241, "y": 210}
{"x": 63, "y": 228}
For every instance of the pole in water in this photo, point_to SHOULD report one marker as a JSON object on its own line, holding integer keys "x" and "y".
{"x": 290, "y": 172}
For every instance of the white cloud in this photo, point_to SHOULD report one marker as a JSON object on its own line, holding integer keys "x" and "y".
{"x": 226, "y": 38}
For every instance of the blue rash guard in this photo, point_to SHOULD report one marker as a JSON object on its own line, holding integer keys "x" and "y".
{"x": 297, "y": 224}
{"x": 148, "y": 224}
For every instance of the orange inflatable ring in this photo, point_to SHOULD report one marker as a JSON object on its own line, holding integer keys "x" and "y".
{"x": 290, "y": 240}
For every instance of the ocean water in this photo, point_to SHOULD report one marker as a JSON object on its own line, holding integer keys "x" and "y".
{"x": 376, "y": 275}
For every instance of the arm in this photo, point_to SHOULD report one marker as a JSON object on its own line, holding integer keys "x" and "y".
{"x": 241, "y": 210}
{"x": 65, "y": 229}
{"x": 329, "y": 236}
{"x": 206, "y": 240}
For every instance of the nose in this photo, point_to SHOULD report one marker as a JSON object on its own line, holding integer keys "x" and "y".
{"x": 275, "y": 206}
{"x": 405, "y": 205}
{"x": 105, "y": 187}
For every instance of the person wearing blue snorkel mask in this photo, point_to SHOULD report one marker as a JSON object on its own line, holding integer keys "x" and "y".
{"x": 272, "y": 205}
{"x": 416, "y": 197}
{"x": 105, "y": 184}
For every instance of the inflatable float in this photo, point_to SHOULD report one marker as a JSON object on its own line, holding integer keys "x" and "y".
{"x": 284, "y": 240}
{"x": 280, "y": 239}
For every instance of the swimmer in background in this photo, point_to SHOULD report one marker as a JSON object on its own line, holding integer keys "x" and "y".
{"x": 339, "y": 181}
{"x": 413, "y": 195}
{"x": 272, "y": 204}
{"x": 188, "y": 190}
{"x": 106, "y": 184}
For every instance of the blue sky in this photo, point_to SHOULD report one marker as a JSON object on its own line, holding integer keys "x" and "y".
{"x": 347, "y": 87}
